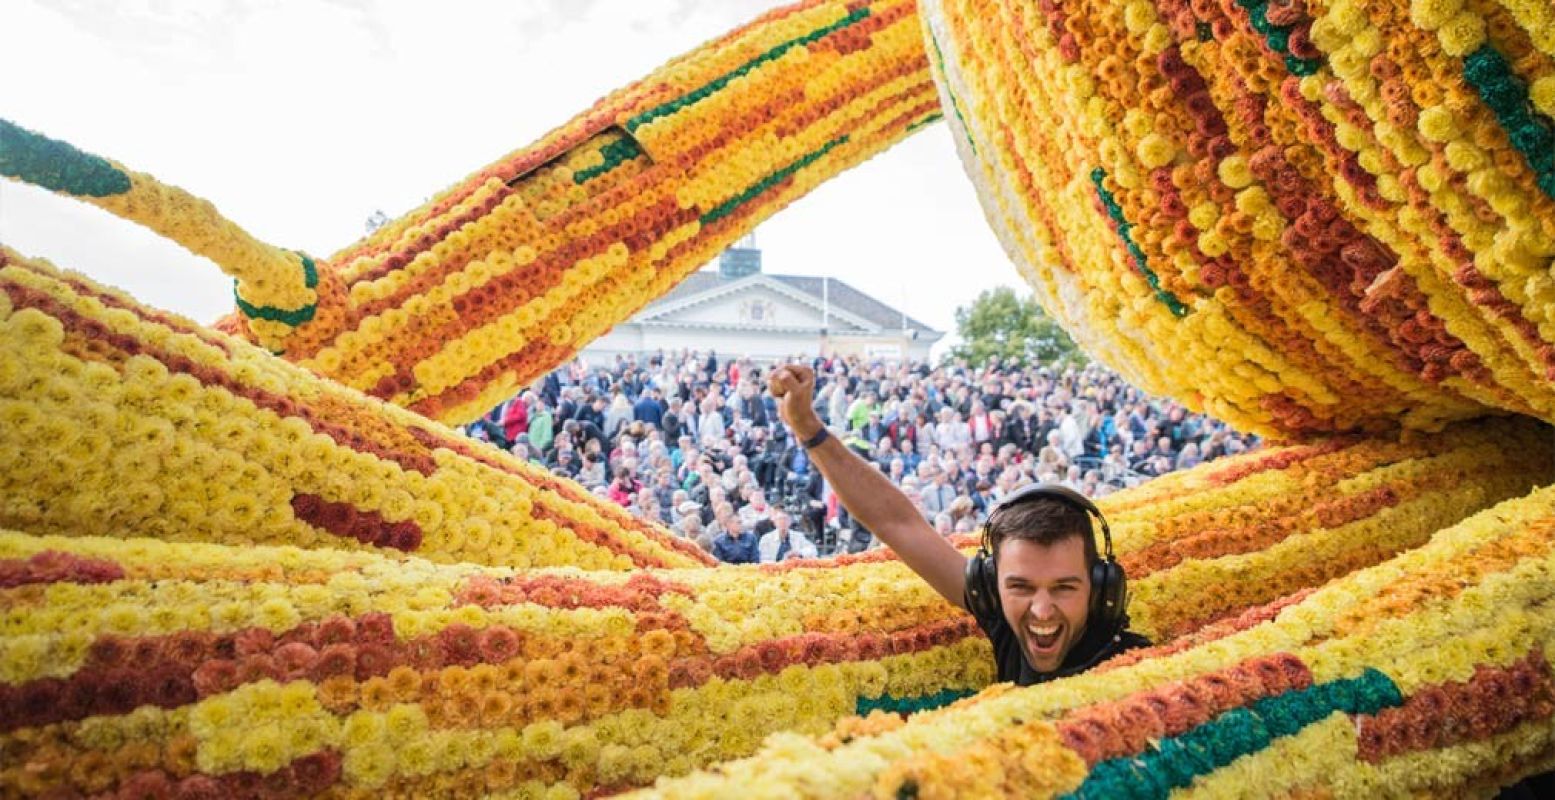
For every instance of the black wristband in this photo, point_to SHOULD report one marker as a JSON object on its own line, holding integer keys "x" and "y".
{"x": 815, "y": 441}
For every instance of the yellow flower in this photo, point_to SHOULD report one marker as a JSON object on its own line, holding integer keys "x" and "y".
{"x": 277, "y": 614}
{"x": 542, "y": 740}
{"x": 363, "y": 728}
{"x": 1462, "y": 34}
{"x": 405, "y": 722}
{"x": 264, "y": 748}
{"x": 369, "y": 766}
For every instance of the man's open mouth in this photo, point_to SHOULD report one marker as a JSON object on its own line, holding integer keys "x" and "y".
{"x": 1044, "y": 638}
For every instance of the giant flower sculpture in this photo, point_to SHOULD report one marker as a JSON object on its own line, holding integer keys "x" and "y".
{"x": 255, "y": 561}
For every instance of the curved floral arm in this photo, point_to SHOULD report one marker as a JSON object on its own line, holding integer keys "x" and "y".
{"x": 278, "y": 289}
{"x": 505, "y": 275}
{"x": 1297, "y": 216}
{"x": 117, "y": 416}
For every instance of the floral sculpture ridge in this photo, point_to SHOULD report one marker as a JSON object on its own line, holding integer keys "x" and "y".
{"x": 253, "y": 561}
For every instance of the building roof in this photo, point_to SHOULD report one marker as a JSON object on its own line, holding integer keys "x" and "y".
{"x": 841, "y": 296}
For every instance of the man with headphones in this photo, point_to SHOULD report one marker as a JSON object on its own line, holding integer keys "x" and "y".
{"x": 1052, "y": 605}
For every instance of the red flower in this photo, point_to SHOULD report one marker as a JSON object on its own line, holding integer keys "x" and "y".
{"x": 1218, "y": 691}
{"x": 367, "y": 528}
{"x": 199, "y": 787}
{"x": 1246, "y": 684}
{"x": 49, "y": 566}
{"x": 254, "y": 641}
{"x": 404, "y": 536}
{"x": 295, "y": 659}
{"x": 39, "y": 703}
{"x": 1139, "y": 723}
{"x": 335, "y": 629}
{"x": 187, "y": 648}
{"x": 1083, "y": 740}
{"x": 317, "y": 772}
{"x": 481, "y": 591}
{"x": 747, "y": 663}
{"x": 1104, "y": 736}
{"x": 279, "y": 784}
{"x": 773, "y": 659}
{"x": 215, "y": 677}
{"x": 14, "y": 572}
{"x": 1162, "y": 709}
{"x": 459, "y": 644}
{"x": 144, "y": 652}
{"x": 150, "y": 785}
{"x": 241, "y": 784}
{"x": 1190, "y": 703}
{"x": 257, "y": 668}
{"x": 374, "y": 659}
{"x": 116, "y": 692}
{"x": 168, "y": 687}
{"x": 375, "y": 626}
{"x": 1421, "y": 729}
{"x": 337, "y": 659}
{"x": 337, "y": 518}
{"x": 80, "y": 700}
{"x": 499, "y": 644}
{"x": 109, "y": 650}
{"x": 307, "y": 507}
{"x": 1370, "y": 743}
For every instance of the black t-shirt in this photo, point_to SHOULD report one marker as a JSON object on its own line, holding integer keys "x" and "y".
{"x": 1094, "y": 647}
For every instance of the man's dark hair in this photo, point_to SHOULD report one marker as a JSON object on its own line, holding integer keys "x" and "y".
{"x": 1045, "y": 521}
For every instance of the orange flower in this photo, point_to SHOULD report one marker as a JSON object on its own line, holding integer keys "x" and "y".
{"x": 659, "y": 643}
{"x": 405, "y": 683}
{"x": 453, "y": 680}
{"x": 511, "y": 673}
{"x": 463, "y": 707}
{"x": 542, "y": 674}
{"x": 597, "y": 698}
{"x": 495, "y": 706}
{"x": 500, "y": 774}
{"x": 338, "y": 693}
{"x": 178, "y": 758}
{"x": 570, "y": 706}
{"x": 573, "y": 667}
{"x": 378, "y": 694}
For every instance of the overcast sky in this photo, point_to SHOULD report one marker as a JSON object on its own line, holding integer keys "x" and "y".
{"x": 298, "y": 120}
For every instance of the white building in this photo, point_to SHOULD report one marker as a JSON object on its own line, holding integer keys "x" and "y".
{"x": 738, "y": 310}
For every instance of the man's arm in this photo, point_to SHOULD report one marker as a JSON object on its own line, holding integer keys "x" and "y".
{"x": 867, "y": 493}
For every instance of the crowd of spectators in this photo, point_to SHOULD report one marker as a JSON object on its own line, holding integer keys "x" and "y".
{"x": 694, "y": 441}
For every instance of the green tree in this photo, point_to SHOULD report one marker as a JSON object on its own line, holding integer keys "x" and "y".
{"x": 1014, "y": 328}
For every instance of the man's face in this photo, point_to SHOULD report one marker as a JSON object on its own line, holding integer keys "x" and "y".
{"x": 1045, "y": 590}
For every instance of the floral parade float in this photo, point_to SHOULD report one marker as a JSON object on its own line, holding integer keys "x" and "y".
{"x": 253, "y": 561}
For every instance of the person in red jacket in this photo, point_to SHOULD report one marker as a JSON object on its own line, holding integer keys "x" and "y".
{"x": 515, "y": 419}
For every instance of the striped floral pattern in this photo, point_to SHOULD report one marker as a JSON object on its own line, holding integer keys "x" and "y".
{"x": 114, "y": 417}
{"x": 233, "y": 577}
{"x": 1361, "y": 688}
{"x": 225, "y": 574}
{"x": 1296, "y": 215}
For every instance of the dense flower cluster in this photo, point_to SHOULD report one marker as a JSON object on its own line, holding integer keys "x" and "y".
{"x": 198, "y": 665}
{"x": 223, "y": 575}
{"x": 114, "y": 417}
{"x": 128, "y": 663}
{"x": 1428, "y": 697}
{"x": 1296, "y": 216}
{"x": 454, "y": 306}
{"x": 459, "y": 303}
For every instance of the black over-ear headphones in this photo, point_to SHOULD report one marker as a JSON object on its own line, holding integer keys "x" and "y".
{"x": 1109, "y": 586}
